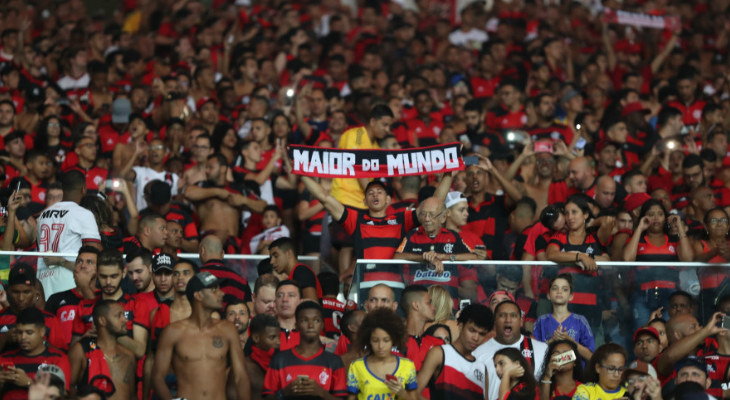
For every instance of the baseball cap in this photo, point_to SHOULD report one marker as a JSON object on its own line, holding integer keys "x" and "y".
{"x": 633, "y": 107}
{"x": 162, "y": 261}
{"x": 202, "y": 280}
{"x": 646, "y": 330}
{"x": 691, "y": 361}
{"x": 53, "y": 370}
{"x": 16, "y": 134}
{"x": 21, "y": 274}
{"x": 160, "y": 193}
{"x": 204, "y": 100}
{"x": 454, "y": 198}
{"x": 640, "y": 367}
{"x": 635, "y": 200}
{"x": 121, "y": 108}
{"x": 375, "y": 182}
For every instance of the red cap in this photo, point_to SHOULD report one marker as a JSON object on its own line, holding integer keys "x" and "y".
{"x": 504, "y": 292}
{"x": 648, "y": 330}
{"x": 633, "y": 107}
{"x": 635, "y": 200}
{"x": 204, "y": 100}
{"x": 605, "y": 142}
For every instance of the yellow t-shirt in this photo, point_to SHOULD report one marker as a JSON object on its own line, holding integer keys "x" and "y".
{"x": 348, "y": 191}
{"x": 594, "y": 391}
{"x": 366, "y": 386}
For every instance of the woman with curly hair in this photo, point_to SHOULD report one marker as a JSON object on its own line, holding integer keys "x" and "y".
{"x": 604, "y": 374}
{"x": 560, "y": 380}
{"x": 381, "y": 374}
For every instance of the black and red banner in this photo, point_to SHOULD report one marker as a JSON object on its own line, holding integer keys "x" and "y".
{"x": 347, "y": 163}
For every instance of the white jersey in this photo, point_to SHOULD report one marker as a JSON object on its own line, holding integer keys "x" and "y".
{"x": 270, "y": 235}
{"x": 70, "y": 83}
{"x": 144, "y": 175}
{"x": 62, "y": 228}
{"x": 533, "y": 350}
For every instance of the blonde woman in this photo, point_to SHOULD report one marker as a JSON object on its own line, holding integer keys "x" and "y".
{"x": 444, "y": 304}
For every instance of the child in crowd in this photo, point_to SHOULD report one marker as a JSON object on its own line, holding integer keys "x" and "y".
{"x": 562, "y": 324}
{"x": 516, "y": 379}
{"x": 273, "y": 229}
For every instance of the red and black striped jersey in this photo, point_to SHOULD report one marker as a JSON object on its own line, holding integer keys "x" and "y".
{"x": 417, "y": 347}
{"x": 29, "y": 364}
{"x": 135, "y": 311}
{"x": 151, "y": 301}
{"x": 179, "y": 214}
{"x": 650, "y": 277}
{"x": 718, "y": 366}
{"x": 324, "y": 368}
{"x": 377, "y": 238}
{"x": 54, "y": 332}
{"x": 96, "y": 366}
{"x": 288, "y": 338}
{"x": 459, "y": 378}
{"x": 332, "y": 311}
{"x": 488, "y": 220}
{"x": 94, "y": 175}
{"x": 234, "y": 287}
{"x": 587, "y": 285}
{"x": 445, "y": 242}
{"x": 65, "y": 306}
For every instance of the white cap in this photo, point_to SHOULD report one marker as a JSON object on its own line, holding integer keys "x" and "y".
{"x": 454, "y": 198}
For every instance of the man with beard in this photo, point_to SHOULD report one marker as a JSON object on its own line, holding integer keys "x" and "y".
{"x": 103, "y": 362}
{"x": 450, "y": 370}
{"x": 200, "y": 348}
{"x": 111, "y": 271}
{"x": 507, "y": 323}
{"x": 264, "y": 343}
{"x": 546, "y": 127}
{"x": 65, "y": 305}
{"x": 692, "y": 178}
{"x": 33, "y": 353}
{"x": 236, "y": 312}
{"x": 139, "y": 270}
{"x": 154, "y": 170}
{"x": 477, "y": 136}
{"x": 162, "y": 280}
{"x": 166, "y": 314}
{"x": 219, "y": 204}
{"x": 264, "y": 295}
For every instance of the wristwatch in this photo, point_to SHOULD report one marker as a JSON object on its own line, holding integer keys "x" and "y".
{"x": 452, "y": 257}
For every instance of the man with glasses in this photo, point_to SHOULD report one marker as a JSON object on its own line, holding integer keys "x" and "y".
{"x": 433, "y": 244}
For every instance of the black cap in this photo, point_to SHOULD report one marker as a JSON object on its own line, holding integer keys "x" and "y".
{"x": 21, "y": 274}
{"x": 202, "y": 280}
{"x": 17, "y": 134}
{"x": 375, "y": 182}
{"x": 162, "y": 261}
{"x": 160, "y": 193}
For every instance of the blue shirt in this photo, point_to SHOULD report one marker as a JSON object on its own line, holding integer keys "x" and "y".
{"x": 575, "y": 325}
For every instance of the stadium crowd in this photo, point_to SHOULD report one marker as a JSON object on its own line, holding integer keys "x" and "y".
{"x": 163, "y": 129}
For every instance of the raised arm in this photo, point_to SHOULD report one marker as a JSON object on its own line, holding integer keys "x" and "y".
{"x": 334, "y": 207}
{"x": 687, "y": 345}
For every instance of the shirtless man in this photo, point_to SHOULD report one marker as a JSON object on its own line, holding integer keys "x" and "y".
{"x": 200, "y": 348}
{"x": 88, "y": 355}
{"x": 265, "y": 337}
{"x": 218, "y": 203}
{"x": 201, "y": 149}
{"x": 537, "y": 184}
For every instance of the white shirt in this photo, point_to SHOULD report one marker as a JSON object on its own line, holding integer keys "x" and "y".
{"x": 144, "y": 175}
{"x": 270, "y": 234}
{"x": 485, "y": 354}
{"x": 69, "y": 83}
{"x": 468, "y": 39}
{"x": 62, "y": 228}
